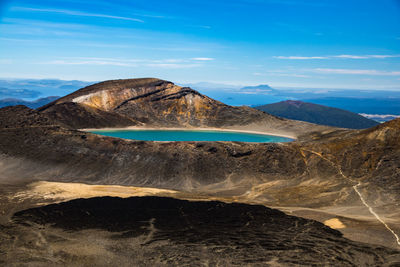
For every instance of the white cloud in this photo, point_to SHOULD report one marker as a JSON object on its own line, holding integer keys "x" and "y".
{"x": 298, "y": 57}
{"x": 172, "y": 66}
{"x": 202, "y": 58}
{"x": 291, "y": 75}
{"x": 358, "y": 72}
{"x": 351, "y": 56}
{"x": 366, "y": 56}
{"x": 90, "y": 62}
{"x": 155, "y": 63}
{"x": 281, "y": 74}
{"x": 338, "y": 56}
{"x": 76, "y": 13}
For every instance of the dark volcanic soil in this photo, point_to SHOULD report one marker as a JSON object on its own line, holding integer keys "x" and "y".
{"x": 191, "y": 233}
{"x": 320, "y": 171}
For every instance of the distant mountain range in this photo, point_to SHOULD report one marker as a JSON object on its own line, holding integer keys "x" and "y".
{"x": 369, "y": 102}
{"x": 319, "y": 114}
{"x": 30, "y": 89}
{"x": 259, "y": 88}
{"x": 18, "y": 93}
{"x": 31, "y": 104}
{"x": 380, "y": 102}
{"x": 386, "y": 103}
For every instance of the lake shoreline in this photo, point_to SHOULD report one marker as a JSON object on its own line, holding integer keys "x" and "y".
{"x": 186, "y": 129}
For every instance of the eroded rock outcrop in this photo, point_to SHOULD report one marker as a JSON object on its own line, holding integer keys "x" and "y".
{"x": 154, "y": 102}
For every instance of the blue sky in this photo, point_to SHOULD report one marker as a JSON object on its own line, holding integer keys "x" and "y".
{"x": 284, "y": 43}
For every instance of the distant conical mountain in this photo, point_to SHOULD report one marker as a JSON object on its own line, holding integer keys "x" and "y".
{"x": 319, "y": 114}
{"x": 262, "y": 88}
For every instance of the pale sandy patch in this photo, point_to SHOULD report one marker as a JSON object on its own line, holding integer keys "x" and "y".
{"x": 67, "y": 191}
{"x": 334, "y": 223}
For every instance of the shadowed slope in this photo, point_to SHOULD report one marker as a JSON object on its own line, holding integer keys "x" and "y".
{"x": 298, "y": 110}
{"x": 218, "y": 232}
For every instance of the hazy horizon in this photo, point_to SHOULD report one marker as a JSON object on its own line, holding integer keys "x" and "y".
{"x": 214, "y": 85}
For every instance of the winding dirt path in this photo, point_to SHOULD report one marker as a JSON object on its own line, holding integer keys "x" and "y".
{"x": 355, "y": 187}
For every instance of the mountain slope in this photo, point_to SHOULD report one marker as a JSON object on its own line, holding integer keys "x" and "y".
{"x": 154, "y": 102}
{"x": 314, "y": 113}
{"x": 319, "y": 173}
{"x": 165, "y": 231}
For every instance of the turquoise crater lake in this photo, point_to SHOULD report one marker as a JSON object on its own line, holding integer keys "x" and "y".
{"x": 191, "y": 135}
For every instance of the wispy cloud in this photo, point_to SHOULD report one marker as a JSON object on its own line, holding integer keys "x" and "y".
{"x": 100, "y": 61}
{"x": 200, "y": 26}
{"x": 151, "y": 16}
{"x": 76, "y": 13}
{"x": 338, "y": 56}
{"x": 5, "y": 61}
{"x": 172, "y": 66}
{"x": 202, "y": 58}
{"x": 281, "y": 74}
{"x": 351, "y": 56}
{"x": 299, "y": 57}
{"x": 19, "y": 40}
{"x": 358, "y": 72}
{"x": 91, "y": 62}
{"x": 366, "y": 56}
{"x": 282, "y": 2}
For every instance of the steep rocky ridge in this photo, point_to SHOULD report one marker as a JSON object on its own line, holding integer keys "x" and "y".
{"x": 154, "y": 102}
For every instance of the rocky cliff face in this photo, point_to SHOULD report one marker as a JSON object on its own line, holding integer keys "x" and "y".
{"x": 154, "y": 102}
{"x": 78, "y": 116}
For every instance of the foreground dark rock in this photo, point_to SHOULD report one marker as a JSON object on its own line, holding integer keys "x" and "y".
{"x": 180, "y": 233}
